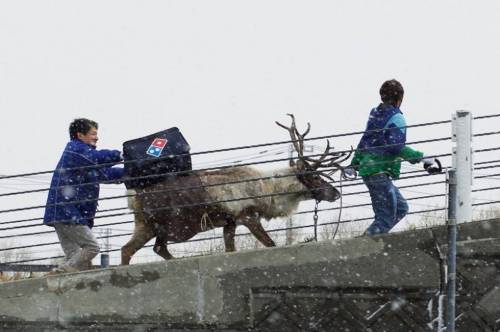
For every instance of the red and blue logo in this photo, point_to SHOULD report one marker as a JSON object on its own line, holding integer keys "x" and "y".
{"x": 157, "y": 147}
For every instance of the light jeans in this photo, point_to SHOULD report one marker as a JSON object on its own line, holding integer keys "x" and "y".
{"x": 388, "y": 204}
{"x": 79, "y": 245}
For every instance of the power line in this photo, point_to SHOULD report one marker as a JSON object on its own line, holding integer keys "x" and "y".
{"x": 269, "y": 231}
{"x": 168, "y": 190}
{"x": 241, "y": 234}
{"x": 217, "y": 184}
{"x": 123, "y": 196}
{"x": 225, "y": 149}
{"x": 486, "y": 134}
{"x": 185, "y": 172}
{"x": 186, "y": 205}
{"x": 297, "y": 213}
{"x": 127, "y": 222}
{"x": 481, "y": 117}
{"x": 351, "y": 184}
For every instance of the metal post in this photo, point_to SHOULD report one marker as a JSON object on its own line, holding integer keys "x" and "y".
{"x": 106, "y": 247}
{"x": 452, "y": 238}
{"x": 104, "y": 260}
{"x": 459, "y": 201}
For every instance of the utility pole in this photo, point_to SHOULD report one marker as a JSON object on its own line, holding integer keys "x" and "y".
{"x": 460, "y": 201}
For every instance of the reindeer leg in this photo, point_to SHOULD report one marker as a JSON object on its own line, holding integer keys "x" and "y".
{"x": 229, "y": 231}
{"x": 160, "y": 248}
{"x": 259, "y": 232}
{"x": 142, "y": 234}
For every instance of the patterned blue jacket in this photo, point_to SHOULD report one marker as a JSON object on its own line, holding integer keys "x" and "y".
{"x": 74, "y": 189}
{"x": 385, "y": 131}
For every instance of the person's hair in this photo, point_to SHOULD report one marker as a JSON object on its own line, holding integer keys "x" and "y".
{"x": 81, "y": 126}
{"x": 391, "y": 92}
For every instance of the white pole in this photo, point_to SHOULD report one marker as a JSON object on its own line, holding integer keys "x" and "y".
{"x": 462, "y": 163}
{"x": 459, "y": 201}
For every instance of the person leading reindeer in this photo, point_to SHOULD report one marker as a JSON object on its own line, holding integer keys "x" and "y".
{"x": 378, "y": 159}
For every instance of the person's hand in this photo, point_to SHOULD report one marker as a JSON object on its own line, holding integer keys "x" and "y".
{"x": 432, "y": 166}
{"x": 427, "y": 162}
{"x": 121, "y": 155}
{"x": 349, "y": 172}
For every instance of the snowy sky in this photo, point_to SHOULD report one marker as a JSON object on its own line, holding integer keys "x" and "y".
{"x": 224, "y": 71}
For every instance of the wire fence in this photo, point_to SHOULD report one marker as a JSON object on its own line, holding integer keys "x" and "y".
{"x": 435, "y": 193}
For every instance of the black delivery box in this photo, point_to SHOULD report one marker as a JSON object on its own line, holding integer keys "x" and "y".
{"x": 148, "y": 160}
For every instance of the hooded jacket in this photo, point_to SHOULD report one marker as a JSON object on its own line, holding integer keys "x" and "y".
{"x": 74, "y": 189}
{"x": 382, "y": 146}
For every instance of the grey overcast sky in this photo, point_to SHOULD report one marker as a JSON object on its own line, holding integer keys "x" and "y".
{"x": 224, "y": 71}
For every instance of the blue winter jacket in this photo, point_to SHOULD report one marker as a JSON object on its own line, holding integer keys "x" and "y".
{"x": 383, "y": 145}
{"x": 74, "y": 189}
{"x": 385, "y": 131}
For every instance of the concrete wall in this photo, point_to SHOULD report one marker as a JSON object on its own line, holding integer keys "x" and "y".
{"x": 267, "y": 289}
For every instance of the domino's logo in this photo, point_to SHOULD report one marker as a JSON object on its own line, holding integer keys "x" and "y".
{"x": 157, "y": 147}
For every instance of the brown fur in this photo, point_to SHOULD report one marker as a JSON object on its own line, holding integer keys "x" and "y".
{"x": 192, "y": 210}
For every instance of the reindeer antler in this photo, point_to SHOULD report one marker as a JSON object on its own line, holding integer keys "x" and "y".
{"x": 297, "y": 138}
{"x": 336, "y": 159}
{"x": 333, "y": 160}
{"x": 327, "y": 159}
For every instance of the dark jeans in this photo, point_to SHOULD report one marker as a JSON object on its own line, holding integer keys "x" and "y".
{"x": 388, "y": 204}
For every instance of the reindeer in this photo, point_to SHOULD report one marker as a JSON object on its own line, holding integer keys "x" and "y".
{"x": 180, "y": 207}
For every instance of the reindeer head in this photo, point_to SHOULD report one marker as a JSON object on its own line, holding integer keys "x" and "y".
{"x": 307, "y": 169}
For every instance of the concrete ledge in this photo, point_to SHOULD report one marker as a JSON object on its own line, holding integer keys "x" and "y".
{"x": 206, "y": 292}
